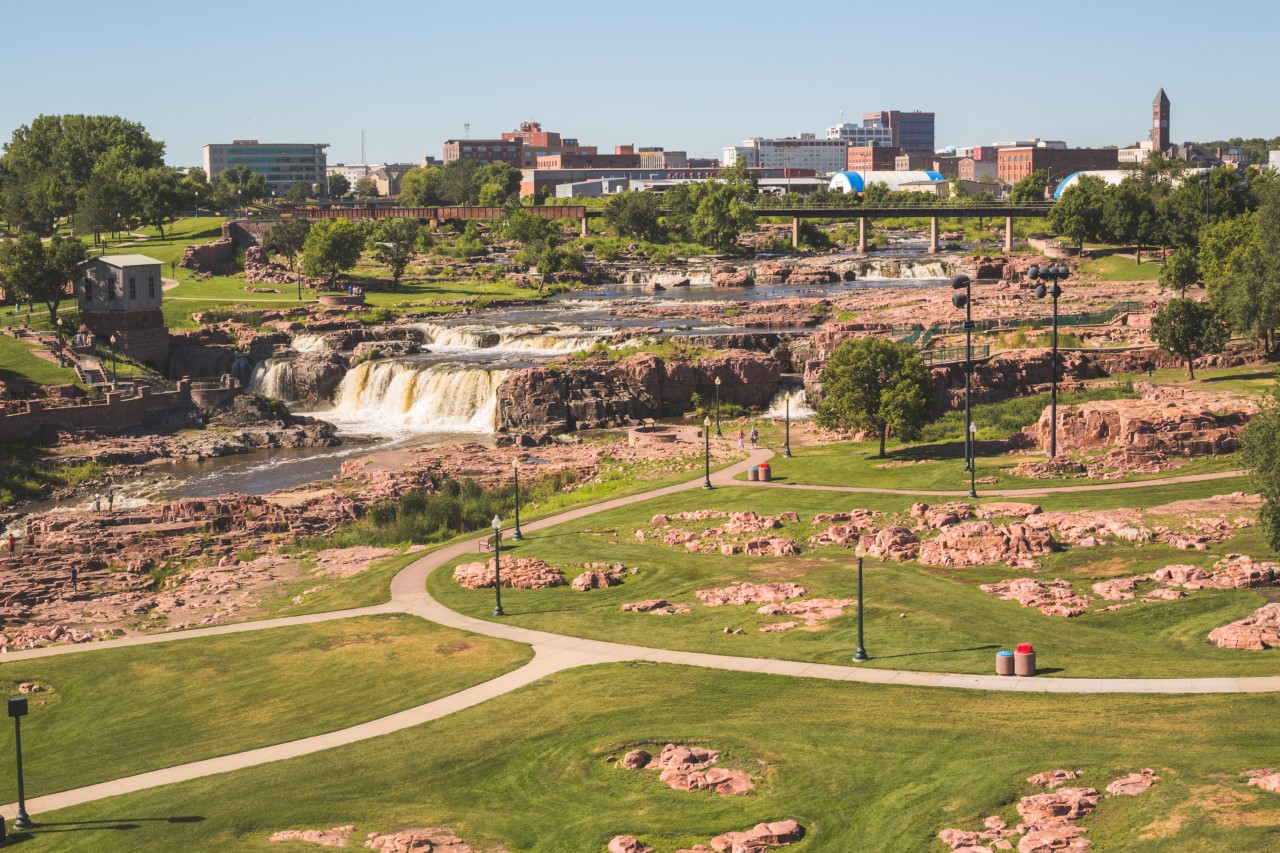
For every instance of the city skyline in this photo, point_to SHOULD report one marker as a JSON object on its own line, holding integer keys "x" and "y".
{"x": 594, "y": 70}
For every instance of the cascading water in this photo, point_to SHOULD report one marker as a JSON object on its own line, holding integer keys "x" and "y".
{"x": 529, "y": 340}
{"x": 273, "y": 378}
{"x": 799, "y": 404}
{"x": 886, "y": 270}
{"x": 310, "y": 342}
{"x": 397, "y": 396}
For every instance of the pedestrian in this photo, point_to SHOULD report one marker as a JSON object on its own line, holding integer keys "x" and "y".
{"x": 11, "y": 544}
{"x": 111, "y": 499}
{"x": 742, "y": 437}
{"x": 755, "y": 436}
{"x": 75, "y": 575}
{"x": 97, "y": 503}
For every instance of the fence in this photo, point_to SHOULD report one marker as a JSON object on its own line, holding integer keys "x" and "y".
{"x": 950, "y": 354}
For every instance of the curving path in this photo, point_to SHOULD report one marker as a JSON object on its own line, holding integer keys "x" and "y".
{"x": 556, "y": 652}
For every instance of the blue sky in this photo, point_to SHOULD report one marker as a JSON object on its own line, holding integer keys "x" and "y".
{"x": 693, "y": 75}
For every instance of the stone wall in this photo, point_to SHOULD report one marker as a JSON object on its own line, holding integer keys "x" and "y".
{"x": 216, "y": 258}
{"x": 599, "y": 394}
{"x": 116, "y": 411}
{"x": 247, "y": 232}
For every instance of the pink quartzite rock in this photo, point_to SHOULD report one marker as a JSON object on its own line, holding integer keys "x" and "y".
{"x": 1257, "y": 631}
{"x": 750, "y": 593}
{"x": 1052, "y": 778}
{"x": 1118, "y": 589}
{"x": 628, "y": 844}
{"x": 980, "y": 543}
{"x": 761, "y": 837}
{"x": 436, "y": 840}
{"x": 598, "y": 578}
{"x": 1005, "y": 509}
{"x": 892, "y": 543}
{"x": 659, "y": 606}
{"x": 1052, "y": 598}
{"x": 777, "y": 627}
{"x": 1057, "y": 808}
{"x": 942, "y": 515}
{"x": 771, "y": 546}
{"x": 1267, "y": 780}
{"x": 812, "y": 610}
{"x": 336, "y": 837}
{"x": 517, "y": 573}
{"x": 636, "y": 758}
{"x": 1065, "y": 838}
{"x": 1133, "y": 784}
{"x": 689, "y": 768}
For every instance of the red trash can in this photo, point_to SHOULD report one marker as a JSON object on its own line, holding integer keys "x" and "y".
{"x": 765, "y": 474}
{"x": 1024, "y": 660}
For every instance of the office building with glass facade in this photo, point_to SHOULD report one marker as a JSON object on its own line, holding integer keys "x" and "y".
{"x": 282, "y": 164}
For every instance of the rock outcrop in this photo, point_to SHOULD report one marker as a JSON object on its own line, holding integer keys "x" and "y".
{"x": 750, "y": 593}
{"x": 981, "y": 543}
{"x": 316, "y": 375}
{"x": 516, "y": 572}
{"x": 1257, "y": 631}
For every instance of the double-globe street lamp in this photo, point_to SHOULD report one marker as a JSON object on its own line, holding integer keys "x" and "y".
{"x": 515, "y": 470}
{"x": 965, "y": 301}
{"x": 861, "y": 552}
{"x": 706, "y": 452}
{"x": 718, "y": 434}
{"x": 786, "y": 447}
{"x": 497, "y": 567}
{"x": 1046, "y": 279}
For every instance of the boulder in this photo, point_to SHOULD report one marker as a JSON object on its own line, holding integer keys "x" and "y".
{"x": 1267, "y": 780}
{"x": 812, "y": 610}
{"x": 750, "y": 593}
{"x": 980, "y": 543}
{"x": 516, "y": 572}
{"x": 1052, "y": 598}
{"x": 628, "y": 844}
{"x": 892, "y": 543}
{"x": 316, "y": 376}
{"x": 761, "y": 837}
{"x": 1052, "y": 778}
{"x": 636, "y": 759}
{"x": 1133, "y": 784}
{"x": 1257, "y": 631}
{"x": 599, "y": 577}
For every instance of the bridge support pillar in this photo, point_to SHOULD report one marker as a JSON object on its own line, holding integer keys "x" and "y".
{"x": 862, "y": 233}
{"x": 795, "y": 232}
{"x": 1008, "y": 235}
{"x": 584, "y": 225}
{"x": 933, "y": 235}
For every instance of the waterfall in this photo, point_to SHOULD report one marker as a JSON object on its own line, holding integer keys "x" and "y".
{"x": 273, "y": 378}
{"x": 379, "y": 396}
{"x": 888, "y": 269}
{"x": 310, "y": 342}
{"x": 528, "y": 340}
{"x": 799, "y": 405}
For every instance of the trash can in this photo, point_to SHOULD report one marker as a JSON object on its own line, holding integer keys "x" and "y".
{"x": 765, "y": 473}
{"x": 1004, "y": 663}
{"x": 1024, "y": 660}
{"x": 753, "y": 473}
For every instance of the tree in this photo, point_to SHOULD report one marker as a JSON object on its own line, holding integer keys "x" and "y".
{"x": 635, "y": 215}
{"x": 1031, "y": 188}
{"x": 1129, "y": 216}
{"x": 876, "y": 385}
{"x": 156, "y": 195}
{"x": 395, "y": 243}
{"x": 1180, "y": 271}
{"x": 236, "y": 186}
{"x": 455, "y": 181}
{"x": 288, "y": 238}
{"x": 420, "y": 187}
{"x": 299, "y": 192}
{"x": 713, "y": 213}
{"x": 40, "y": 272}
{"x": 365, "y": 187}
{"x": 1242, "y": 277}
{"x": 339, "y": 186}
{"x": 1189, "y": 329}
{"x": 495, "y": 184}
{"x": 1078, "y": 212}
{"x": 1260, "y": 449}
{"x": 332, "y": 246}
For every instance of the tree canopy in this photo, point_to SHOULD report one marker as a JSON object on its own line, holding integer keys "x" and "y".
{"x": 38, "y": 271}
{"x": 875, "y": 385}
{"x": 1189, "y": 329}
{"x": 237, "y": 186}
{"x": 339, "y": 186}
{"x": 1031, "y": 188}
{"x": 1260, "y": 448}
{"x": 1078, "y": 213}
{"x": 635, "y": 215}
{"x": 332, "y": 246}
{"x": 288, "y": 238}
{"x": 394, "y": 243}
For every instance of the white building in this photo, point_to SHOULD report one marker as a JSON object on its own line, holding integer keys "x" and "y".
{"x": 857, "y": 182}
{"x": 1139, "y": 153}
{"x": 805, "y": 151}
{"x": 1273, "y": 161}
{"x": 862, "y": 135}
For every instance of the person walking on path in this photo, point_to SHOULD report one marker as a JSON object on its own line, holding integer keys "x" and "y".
{"x": 755, "y": 437}
{"x": 742, "y": 443}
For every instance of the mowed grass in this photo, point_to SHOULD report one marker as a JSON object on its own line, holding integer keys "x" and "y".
{"x": 1122, "y": 268}
{"x": 116, "y": 712}
{"x": 860, "y": 767}
{"x": 918, "y": 617}
{"x": 19, "y": 363}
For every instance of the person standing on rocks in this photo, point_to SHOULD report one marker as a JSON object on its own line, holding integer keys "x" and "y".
{"x": 75, "y": 576}
{"x": 97, "y": 503}
{"x": 11, "y": 544}
{"x": 111, "y": 499}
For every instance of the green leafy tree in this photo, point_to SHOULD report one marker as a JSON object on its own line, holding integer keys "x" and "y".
{"x": 394, "y": 243}
{"x": 875, "y": 385}
{"x": 339, "y": 186}
{"x": 365, "y": 187}
{"x": 299, "y": 192}
{"x": 420, "y": 187}
{"x": 1031, "y": 188}
{"x": 495, "y": 184}
{"x": 1180, "y": 271}
{"x": 1260, "y": 449}
{"x": 1216, "y": 196}
{"x": 714, "y": 213}
{"x": 1242, "y": 277}
{"x": 455, "y": 184}
{"x": 237, "y": 186}
{"x": 1078, "y": 213}
{"x": 1129, "y": 216}
{"x": 288, "y": 238}
{"x": 636, "y": 215}
{"x": 38, "y": 271}
{"x": 332, "y": 246}
{"x": 156, "y": 194}
{"x": 1189, "y": 329}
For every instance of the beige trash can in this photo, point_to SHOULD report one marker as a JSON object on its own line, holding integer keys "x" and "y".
{"x": 1004, "y": 663}
{"x": 1024, "y": 660}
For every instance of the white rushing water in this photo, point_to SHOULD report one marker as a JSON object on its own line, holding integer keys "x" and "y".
{"x": 523, "y": 339}
{"x": 397, "y": 397}
{"x": 800, "y": 408}
{"x": 310, "y": 342}
{"x": 273, "y": 378}
{"x": 888, "y": 269}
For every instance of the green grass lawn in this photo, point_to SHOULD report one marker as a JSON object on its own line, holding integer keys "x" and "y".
{"x": 19, "y": 363}
{"x": 918, "y": 617}
{"x": 1121, "y": 268}
{"x": 887, "y": 766}
{"x": 113, "y": 713}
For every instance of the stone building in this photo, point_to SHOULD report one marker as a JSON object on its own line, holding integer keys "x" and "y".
{"x": 120, "y": 296}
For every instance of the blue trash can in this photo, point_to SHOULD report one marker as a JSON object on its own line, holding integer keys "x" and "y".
{"x": 1004, "y": 663}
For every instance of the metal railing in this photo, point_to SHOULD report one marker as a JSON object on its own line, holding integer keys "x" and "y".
{"x": 953, "y": 354}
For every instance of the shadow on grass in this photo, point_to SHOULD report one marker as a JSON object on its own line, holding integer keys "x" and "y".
{"x": 943, "y": 652}
{"x": 1261, "y": 374}
{"x": 42, "y": 828}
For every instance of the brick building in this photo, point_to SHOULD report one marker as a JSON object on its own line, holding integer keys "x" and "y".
{"x": 120, "y": 296}
{"x": 536, "y": 142}
{"x": 484, "y": 150}
{"x": 1014, "y": 164}
{"x": 980, "y": 171}
{"x": 910, "y": 131}
{"x": 908, "y": 162}
{"x": 871, "y": 158}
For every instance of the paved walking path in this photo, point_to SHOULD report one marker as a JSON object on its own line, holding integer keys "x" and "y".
{"x": 556, "y": 652}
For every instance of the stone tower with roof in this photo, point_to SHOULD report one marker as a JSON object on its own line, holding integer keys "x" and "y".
{"x": 1160, "y": 122}
{"x": 120, "y": 296}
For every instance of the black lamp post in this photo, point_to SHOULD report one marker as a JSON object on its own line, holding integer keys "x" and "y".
{"x": 706, "y": 452}
{"x": 497, "y": 567}
{"x": 515, "y": 469}
{"x": 18, "y": 710}
{"x": 965, "y": 301}
{"x": 786, "y": 447}
{"x": 114, "y": 361}
{"x": 973, "y": 469}
{"x": 1040, "y": 276}
{"x": 861, "y": 552}
{"x": 62, "y": 362}
{"x": 718, "y": 434}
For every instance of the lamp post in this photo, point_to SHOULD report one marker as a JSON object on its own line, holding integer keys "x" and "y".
{"x": 61, "y": 359}
{"x": 1040, "y": 276}
{"x": 115, "y": 360}
{"x": 497, "y": 567}
{"x": 706, "y": 452}
{"x": 973, "y": 468}
{"x": 515, "y": 469}
{"x": 965, "y": 301}
{"x": 718, "y": 434}
{"x": 18, "y": 710}
{"x": 786, "y": 446}
{"x": 861, "y": 552}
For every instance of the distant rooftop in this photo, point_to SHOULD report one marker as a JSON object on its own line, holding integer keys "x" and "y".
{"x": 129, "y": 260}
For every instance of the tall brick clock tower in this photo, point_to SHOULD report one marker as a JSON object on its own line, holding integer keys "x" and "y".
{"x": 1160, "y": 122}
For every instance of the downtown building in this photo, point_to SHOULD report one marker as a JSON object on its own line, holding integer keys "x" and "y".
{"x": 806, "y": 151}
{"x": 281, "y": 164}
